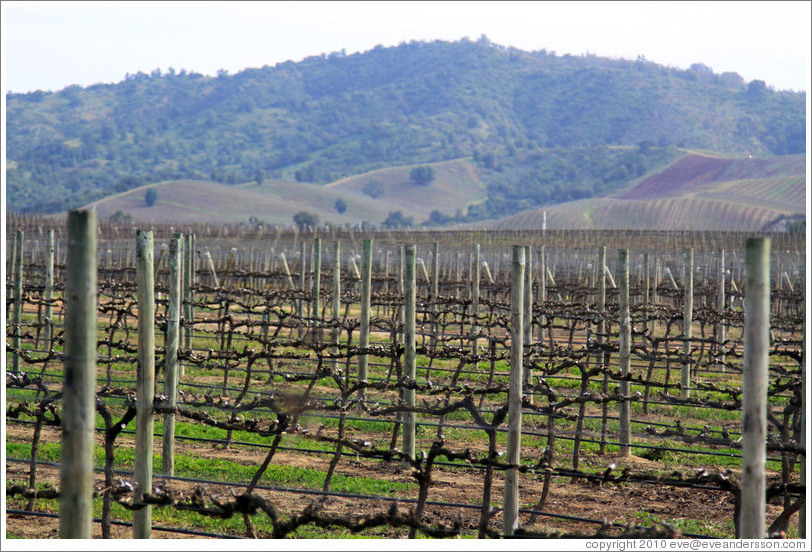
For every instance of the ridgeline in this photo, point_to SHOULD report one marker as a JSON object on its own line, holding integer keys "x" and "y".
{"x": 535, "y": 128}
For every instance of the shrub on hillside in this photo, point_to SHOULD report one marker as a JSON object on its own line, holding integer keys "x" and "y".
{"x": 373, "y": 189}
{"x": 304, "y": 219}
{"x": 422, "y": 176}
{"x": 151, "y": 197}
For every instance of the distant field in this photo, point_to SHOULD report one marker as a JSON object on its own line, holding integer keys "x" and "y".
{"x": 276, "y": 201}
{"x": 696, "y": 192}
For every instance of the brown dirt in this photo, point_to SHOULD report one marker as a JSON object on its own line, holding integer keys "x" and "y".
{"x": 620, "y": 503}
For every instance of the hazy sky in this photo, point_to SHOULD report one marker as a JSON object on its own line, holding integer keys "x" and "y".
{"x": 51, "y": 45}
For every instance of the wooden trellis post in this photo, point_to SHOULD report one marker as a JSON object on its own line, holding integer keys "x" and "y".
{"x": 647, "y": 291}
{"x": 300, "y": 303}
{"x": 145, "y": 384}
{"x": 336, "y": 299}
{"x": 687, "y": 323}
{"x": 511, "y": 500}
{"x": 434, "y": 293}
{"x": 409, "y": 367}
{"x": 755, "y": 382}
{"x": 625, "y": 327}
{"x": 188, "y": 294}
{"x": 720, "y": 305}
{"x": 316, "y": 291}
{"x": 49, "y": 289}
{"x": 475, "y": 278}
{"x": 212, "y": 271}
{"x": 79, "y": 391}
{"x": 171, "y": 356}
{"x": 366, "y": 293}
{"x": 602, "y": 339}
{"x": 12, "y": 259}
{"x": 527, "y": 306}
{"x": 802, "y": 513}
{"x": 18, "y": 301}
{"x": 286, "y": 270}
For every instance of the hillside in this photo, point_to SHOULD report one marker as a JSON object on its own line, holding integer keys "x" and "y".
{"x": 694, "y": 173}
{"x": 276, "y": 201}
{"x": 695, "y": 193}
{"x": 541, "y": 128}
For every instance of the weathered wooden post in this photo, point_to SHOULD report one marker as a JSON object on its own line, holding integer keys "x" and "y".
{"x": 145, "y": 381}
{"x": 542, "y": 286}
{"x": 18, "y": 301}
{"x": 171, "y": 356}
{"x": 611, "y": 278}
{"x": 435, "y": 290}
{"x": 720, "y": 305}
{"x": 79, "y": 390}
{"x": 402, "y": 273}
{"x": 300, "y": 303}
{"x": 476, "y": 275}
{"x": 789, "y": 282}
{"x": 354, "y": 266}
{"x": 625, "y": 328}
{"x": 48, "y": 294}
{"x": 12, "y": 259}
{"x": 657, "y": 277}
{"x": 756, "y": 339}
{"x": 647, "y": 291}
{"x": 602, "y": 339}
{"x": 457, "y": 273}
{"x": 527, "y": 306}
{"x": 488, "y": 274}
{"x": 386, "y": 271}
{"x": 511, "y": 500}
{"x": 409, "y": 366}
{"x": 188, "y": 294}
{"x": 366, "y": 294}
{"x": 286, "y": 270}
{"x": 802, "y": 466}
{"x": 687, "y": 323}
{"x": 316, "y": 291}
{"x": 213, "y": 272}
{"x": 667, "y": 272}
{"x": 336, "y": 299}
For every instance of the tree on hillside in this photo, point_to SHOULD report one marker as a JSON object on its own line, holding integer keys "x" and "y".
{"x": 397, "y": 220}
{"x": 756, "y": 90}
{"x": 422, "y": 176}
{"x": 340, "y": 206}
{"x": 438, "y": 218}
{"x": 373, "y": 189}
{"x": 120, "y": 216}
{"x": 304, "y": 219}
{"x": 151, "y": 197}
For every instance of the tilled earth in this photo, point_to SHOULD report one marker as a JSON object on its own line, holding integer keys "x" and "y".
{"x": 623, "y": 503}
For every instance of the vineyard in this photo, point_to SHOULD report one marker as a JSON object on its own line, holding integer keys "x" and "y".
{"x": 293, "y": 384}
{"x": 695, "y": 192}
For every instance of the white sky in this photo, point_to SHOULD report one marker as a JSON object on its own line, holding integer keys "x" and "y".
{"x": 50, "y": 45}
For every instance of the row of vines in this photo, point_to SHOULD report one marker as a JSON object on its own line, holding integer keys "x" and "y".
{"x": 276, "y": 434}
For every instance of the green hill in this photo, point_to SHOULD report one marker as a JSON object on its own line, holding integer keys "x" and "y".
{"x": 540, "y": 128}
{"x": 696, "y": 192}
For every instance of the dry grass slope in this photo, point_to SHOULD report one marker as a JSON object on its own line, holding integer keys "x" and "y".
{"x": 696, "y": 192}
{"x": 276, "y": 201}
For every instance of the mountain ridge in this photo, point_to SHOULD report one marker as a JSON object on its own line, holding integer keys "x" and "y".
{"x": 539, "y": 127}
